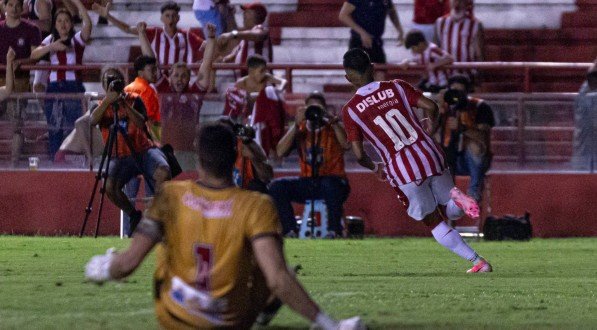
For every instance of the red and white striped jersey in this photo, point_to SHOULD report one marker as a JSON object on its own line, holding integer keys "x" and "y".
{"x": 458, "y": 37}
{"x": 382, "y": 112}
{"x": 437, "y": 77}
{"x": 73, "y": 55}
{"x": 183, "y": 46}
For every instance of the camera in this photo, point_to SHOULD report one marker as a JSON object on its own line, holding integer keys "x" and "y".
{"x": 456, "y": 98}
{"x": 315, "y": 113}
{"x": 246, "y": 132}
{"x": 115, "y": 84}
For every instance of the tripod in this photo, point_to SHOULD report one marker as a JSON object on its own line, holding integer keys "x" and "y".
{"x": 315, "y": 136}
{"x": 115, "y": 128}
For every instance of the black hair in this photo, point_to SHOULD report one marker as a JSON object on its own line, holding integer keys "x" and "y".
{"x": 255, "y": 61}
{"x": 170, "y": 5}
{"x": 71, "y": 33}
{"x": 316, "y": 95}
{"x": 113, "y": 71}
{"x": 19, "y": 1}
{"x": 357, "y": 59}
{"x": 142, "y": 61}
{"x": 460, "y": 79}
{"x": 217, "y": 149}
{"x": 413, "y": 38}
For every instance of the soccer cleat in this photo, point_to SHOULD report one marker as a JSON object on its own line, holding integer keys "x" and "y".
{"x": 465, "y": 202}
{"x": 481, "y": 267}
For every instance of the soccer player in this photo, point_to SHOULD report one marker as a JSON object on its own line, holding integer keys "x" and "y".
{"x": 413, "y": 163}
{"x": 222, "y": 253}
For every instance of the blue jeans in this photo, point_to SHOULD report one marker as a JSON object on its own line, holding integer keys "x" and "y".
{"x": 131, "y": 190}
{"x": 62, "y": 114}
{"x": 333, "y": 190}
{"x": 474, "y": 166}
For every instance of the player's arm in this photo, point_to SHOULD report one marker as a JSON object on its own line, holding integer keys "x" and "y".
{"x": 431, "y": 111}
{"x": 270, "y": 258}
{"x": 345, "y": 16}
{"x": 395, "y": 19}
{"x": 204, "y": 80}
{"x": 365, "y": 160}
{"x": 115, "y": 266}
{"x": 104, "y": 11}
{"x": 10, "y": 74}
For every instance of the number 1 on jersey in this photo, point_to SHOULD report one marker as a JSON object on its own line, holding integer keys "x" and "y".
{"x": 390, "y": 124}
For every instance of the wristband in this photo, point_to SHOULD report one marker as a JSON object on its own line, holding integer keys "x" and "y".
{"x": 325, "y": 322}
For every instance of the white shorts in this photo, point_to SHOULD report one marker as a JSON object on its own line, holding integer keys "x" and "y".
{"x": 425, "y": 196}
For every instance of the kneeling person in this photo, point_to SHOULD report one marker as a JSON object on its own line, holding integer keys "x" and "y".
{"x": 223, "y": 252}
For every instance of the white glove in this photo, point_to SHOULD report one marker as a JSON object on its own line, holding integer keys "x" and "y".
{"x": 98, "y": 268}
{"x": 324, "y": 322}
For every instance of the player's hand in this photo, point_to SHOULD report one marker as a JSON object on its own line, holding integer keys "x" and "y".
{"x": 103, "y": 11}
{"x": 380, "y": 172}
{"x": 211, "y": 30}
{"x": 11, "y": 55}
{"x": 367, "y": 40}
{"x": 353, "y": 323}
{"x": 300, "y": 115}
{"x": 141, "y": 27}
{"x": 452, "y": 123}
{"x": 98, "y": 268}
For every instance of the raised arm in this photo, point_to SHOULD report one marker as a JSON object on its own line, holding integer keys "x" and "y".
{"x": 104, "y": 11}
{"x": 87, "y": 25}
{"x": 345, "y": 16}
{"x": 144, "y": 41}
{"x": 10, "y": 76}
{"x": 204, "y": 80}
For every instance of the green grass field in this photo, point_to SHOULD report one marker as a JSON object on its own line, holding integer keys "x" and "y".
{"x": 391, "y": 283}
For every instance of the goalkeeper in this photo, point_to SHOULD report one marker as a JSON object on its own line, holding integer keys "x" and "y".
{"x": 222, "y": 257}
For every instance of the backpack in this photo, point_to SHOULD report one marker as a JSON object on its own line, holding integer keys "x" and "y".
{"x": 508, "y": 227}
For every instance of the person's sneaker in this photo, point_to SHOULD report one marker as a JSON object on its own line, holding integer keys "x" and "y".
{"x": 465, "y": 202}
{"x": 481, "y": 267}
{"x": 134, "y": 219}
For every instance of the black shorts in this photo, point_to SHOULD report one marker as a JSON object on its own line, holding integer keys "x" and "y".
{"x": 376, "y": 53}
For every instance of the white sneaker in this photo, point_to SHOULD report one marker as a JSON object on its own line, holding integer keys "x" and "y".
{"x": 353, "y": 323}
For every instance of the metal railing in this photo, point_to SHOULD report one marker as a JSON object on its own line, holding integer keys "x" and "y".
{"x": 525, "y": 69}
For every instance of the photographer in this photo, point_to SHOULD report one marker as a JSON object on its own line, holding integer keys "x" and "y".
{"x": 251, "y": 169}
{"x": 465, "y": 133}
{"x": 331, "y": 184}
{"x": 125, "y": 163}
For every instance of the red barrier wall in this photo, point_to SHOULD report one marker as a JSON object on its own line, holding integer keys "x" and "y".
{"x": 51, "y": 203}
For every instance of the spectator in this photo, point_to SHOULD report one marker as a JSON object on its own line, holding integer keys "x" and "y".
{"x": 430, "y": 56}
{"x": 466, "y": 124}
{"x": 169, "y": 43}
{"x": 426, "y": 12}
{"x": 460, "y": 34}
{"x": 22, "y": 37}
{"x": 124, "y": 166}
{"x": 585, "y": 119}
{"x": 181, "y": 102}
{"x": 64, "y": 46}
{"x": 331, "y": 184}
{"x": 253, "y": 39}
{"x": 259, "y": 92}
{"x": 7, "y": 89}
{"x": 251, "y": 169}
{"x": 367, "y": 19}
{"x": 40, "y": 13}
{"x": 217, "y": 12}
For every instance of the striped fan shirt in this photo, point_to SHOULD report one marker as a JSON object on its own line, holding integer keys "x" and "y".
{"x": 73, "y": 55}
